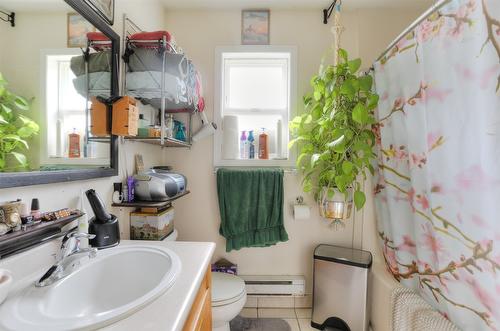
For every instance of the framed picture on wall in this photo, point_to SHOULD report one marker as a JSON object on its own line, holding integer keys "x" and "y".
{"x": 104, "y": 8}
{"x": 255, "y": 27}
{"x": 78, "y": 27}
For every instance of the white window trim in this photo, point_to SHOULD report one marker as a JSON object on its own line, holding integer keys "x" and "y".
{"x": 218, "y": 104}
{"x": 45, "y": 160}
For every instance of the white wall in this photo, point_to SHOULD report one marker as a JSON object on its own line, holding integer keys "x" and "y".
{"x": 197, "y": 216}
{"x": 48, "y": 30}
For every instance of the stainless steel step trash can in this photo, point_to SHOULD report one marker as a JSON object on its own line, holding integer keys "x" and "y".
{"x": 340, "y": 289}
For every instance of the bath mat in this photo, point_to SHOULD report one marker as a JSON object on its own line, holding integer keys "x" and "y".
{"x": 258, "y": 324}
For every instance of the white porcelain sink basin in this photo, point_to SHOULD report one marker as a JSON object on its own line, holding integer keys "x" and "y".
{"x": 116, "y": 283}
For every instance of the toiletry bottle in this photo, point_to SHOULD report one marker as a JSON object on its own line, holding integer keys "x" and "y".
{"x": 117, "y": 193}
{"x": 35, "y": 209}
{"x": 143, "y": 127}
{"x": 130, "y": 188}
{"x": 125, "y": 192}
{"x": 251, "y": 145}
{"x": 279, "y": 139}
{"x": 26, "y": 217}
{"x": 74, "y": 144}
{"x": 169, "y": 126}
{"x": 263, "y": 145}
{"x": 243, "y": 143}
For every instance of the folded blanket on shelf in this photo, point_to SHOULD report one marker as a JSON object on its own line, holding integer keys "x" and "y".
{"x": 147, "y": 59}
{"x": 98, "y": 62}
{"x": 146, "y": 84}
{"x": 99, "y": 84}
{"x": 251, "y": 207}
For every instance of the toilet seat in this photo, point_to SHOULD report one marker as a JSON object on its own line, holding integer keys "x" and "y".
{"x": 226, "y": 289}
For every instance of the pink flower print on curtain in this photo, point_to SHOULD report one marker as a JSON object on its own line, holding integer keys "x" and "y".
{"x": 437, "y": 186}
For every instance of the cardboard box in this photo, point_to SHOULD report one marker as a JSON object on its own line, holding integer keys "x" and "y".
{"x": 151, "y": 226}
{"x": 99, "y": 119}
{"x": 125, "y": 117}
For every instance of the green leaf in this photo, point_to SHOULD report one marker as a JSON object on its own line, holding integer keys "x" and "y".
{"x": 301, "y": 158}
{"x": 21, "y": 103}
{"x": 336, "y": 142}
{"x": 15, "y": 138}
{"x": 317, "y": 95}
{"x": 2, "y": 120}
{"x": 343, "y": 54}
{"x": 316, "y": 112}
{"x": 348, "y": 89}
{"x": 354, "y": 65}
{"x": 347, "y": 167}
{"x": 314, "y": 159}
{"x": 307, "y": 186}
{"x": 25, "y": 132}
{"x": 21, "y": 158}
{"x": 6, "y": 109}
{"x": 365, "y": 83}
{"x": 308, "y": 119}
{"x": 360, "y": 114}
{"x": 359, "y": 199}
{"x": 373, "y": 101}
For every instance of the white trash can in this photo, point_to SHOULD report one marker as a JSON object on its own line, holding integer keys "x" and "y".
{"x": 340, "y": 289}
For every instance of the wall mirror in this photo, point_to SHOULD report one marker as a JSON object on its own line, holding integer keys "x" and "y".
{"x": 57, "y": 59}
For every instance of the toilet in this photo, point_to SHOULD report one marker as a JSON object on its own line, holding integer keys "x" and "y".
{"x": 228, "y": 298}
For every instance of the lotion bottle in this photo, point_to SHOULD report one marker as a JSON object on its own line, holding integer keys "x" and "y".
{"x": 263, "y": 145}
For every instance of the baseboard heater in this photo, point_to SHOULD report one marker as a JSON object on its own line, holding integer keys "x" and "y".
{"x": 275, "y": 285}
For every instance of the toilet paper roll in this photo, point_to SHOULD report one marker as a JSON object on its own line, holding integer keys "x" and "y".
{"x": 301, "y": 212}
{"x": 230, "y": 148}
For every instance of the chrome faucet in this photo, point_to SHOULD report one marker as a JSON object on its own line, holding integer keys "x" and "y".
{"x": 68, "y": 259}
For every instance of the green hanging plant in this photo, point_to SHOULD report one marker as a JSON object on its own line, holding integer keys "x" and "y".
{"x": 15, "y": 129}
{"x": 336, "y": 144}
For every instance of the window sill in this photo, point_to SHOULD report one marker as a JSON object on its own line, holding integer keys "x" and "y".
{"x": 255, "y": 163}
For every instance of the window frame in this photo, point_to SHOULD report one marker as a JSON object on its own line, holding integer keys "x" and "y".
{"x": 219, "y": 102}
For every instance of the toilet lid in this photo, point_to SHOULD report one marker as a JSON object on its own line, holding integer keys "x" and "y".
{"x": 226, "y": 287}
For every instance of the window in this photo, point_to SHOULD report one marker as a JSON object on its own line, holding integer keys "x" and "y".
{"x": 255, "y": 92}
{"x": 64, "y": 110}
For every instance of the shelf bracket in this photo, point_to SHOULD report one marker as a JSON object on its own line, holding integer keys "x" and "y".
{"x": 328, "y": 12}
{"x": 9, "y": 18}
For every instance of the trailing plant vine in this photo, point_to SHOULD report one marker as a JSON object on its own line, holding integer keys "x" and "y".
{"x": 336, "y": 144}
{"x": 15, "y": 129}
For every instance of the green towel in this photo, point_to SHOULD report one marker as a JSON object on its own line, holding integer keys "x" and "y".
{"x": 251, "y": 207}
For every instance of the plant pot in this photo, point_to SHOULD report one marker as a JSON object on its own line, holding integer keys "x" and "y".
{"x": 334, "y": 204}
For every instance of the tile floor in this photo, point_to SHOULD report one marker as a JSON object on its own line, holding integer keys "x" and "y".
{"x": 298, "y": 318}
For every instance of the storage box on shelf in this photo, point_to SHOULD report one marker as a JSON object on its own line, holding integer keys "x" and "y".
{"x": 125, "y": 117}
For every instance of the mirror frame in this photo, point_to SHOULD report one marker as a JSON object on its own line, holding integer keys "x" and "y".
{"x": 15, "y": 179}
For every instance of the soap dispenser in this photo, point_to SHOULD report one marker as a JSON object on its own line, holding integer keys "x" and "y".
{"x": 103, "y": 225}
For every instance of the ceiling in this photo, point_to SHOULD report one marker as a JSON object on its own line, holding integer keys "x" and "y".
{"x": 57, "y": 5}
{"x": 294, "y": 4}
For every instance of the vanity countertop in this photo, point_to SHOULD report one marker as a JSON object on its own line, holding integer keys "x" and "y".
{"x": 168, "y": 312}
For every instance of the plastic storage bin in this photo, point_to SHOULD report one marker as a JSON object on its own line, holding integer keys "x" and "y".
{"x": 340, "y": 290}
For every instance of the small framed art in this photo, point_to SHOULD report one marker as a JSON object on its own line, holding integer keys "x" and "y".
{"x": 255, "y": 27}
{"x": 78, "y": 27}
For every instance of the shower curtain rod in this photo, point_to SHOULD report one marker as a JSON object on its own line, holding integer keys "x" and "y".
{"x": 419, "y": 20}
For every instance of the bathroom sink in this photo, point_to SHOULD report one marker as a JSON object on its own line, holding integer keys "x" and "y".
{"x": 118, "y": 282}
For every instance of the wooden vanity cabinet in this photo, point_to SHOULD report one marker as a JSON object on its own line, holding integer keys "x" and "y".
{"x": 200, "y": 316}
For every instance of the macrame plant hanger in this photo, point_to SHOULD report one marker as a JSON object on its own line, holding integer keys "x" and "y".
{"x": 337, "y": 30}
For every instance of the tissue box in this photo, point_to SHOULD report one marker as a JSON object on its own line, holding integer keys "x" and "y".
{"x": 151, "y": 226}
{"x": 225, "y": 266}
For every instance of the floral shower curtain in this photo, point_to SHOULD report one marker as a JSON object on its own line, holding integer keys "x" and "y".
{"x": 437, "y": 186}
